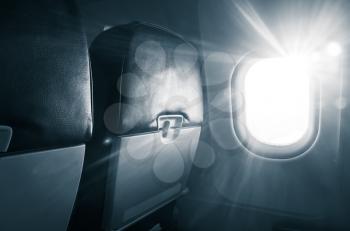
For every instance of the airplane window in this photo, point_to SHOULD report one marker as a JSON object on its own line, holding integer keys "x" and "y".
{"x": 278, "y": 113}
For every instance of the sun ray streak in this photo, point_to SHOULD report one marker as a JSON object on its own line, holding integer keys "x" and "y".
{"x": 254, "y": 20}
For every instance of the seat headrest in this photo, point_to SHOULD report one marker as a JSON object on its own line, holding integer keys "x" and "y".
{"x": 141, "y": 72}
{"x": 45, "y": 93}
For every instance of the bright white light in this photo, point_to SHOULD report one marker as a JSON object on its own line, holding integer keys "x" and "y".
{"x": 277, "y": 100}
{"x": 334, "y": 49}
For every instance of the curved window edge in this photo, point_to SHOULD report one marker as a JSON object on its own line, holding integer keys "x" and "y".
{"x": 248, "y": 141}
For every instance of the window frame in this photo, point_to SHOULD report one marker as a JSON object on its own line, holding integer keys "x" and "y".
{"x": 247, "y": 140}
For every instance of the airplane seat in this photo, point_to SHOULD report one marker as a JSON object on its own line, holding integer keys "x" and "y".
{"x": 45, "y": 113}
{"x": 148, "y": 114}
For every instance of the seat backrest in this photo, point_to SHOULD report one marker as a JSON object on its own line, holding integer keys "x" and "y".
{"x": 148, "y": 113}
{"x": 45, "y": 113}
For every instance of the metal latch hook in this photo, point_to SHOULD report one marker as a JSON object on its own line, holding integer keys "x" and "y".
{"x": 170, "y": 127}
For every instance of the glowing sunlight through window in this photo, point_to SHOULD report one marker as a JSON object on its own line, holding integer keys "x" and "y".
{"x": 277, "y": 101}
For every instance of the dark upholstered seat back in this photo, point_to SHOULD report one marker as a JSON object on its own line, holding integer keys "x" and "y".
{"x": 148, "y": 113}
{"x": 45, "y": 113}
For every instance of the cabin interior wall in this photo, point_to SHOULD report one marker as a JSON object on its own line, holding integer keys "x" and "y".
{"x": 222, "y": 174}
